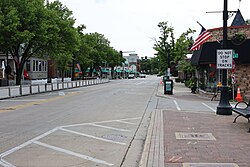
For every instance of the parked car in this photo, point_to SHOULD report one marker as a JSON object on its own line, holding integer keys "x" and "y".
{"x": 142, "y": 75}
{"x": 131, "y": 76}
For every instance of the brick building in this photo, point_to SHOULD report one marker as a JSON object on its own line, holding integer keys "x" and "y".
{"x": 205, "y": 58}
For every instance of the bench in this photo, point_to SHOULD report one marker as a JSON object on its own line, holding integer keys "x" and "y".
{"x": 244, "y": 112}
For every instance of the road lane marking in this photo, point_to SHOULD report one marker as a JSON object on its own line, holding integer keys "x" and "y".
{"x": 12, "y": 150}
{"x": 4, "y": 154}
{"x": 208, "y": 107}
{"x": 5, "y": 163}
{"x": 11, "y": 108}
{"x": 177, "y": 105}
{"x": 108, "y": 127}
{"x": 99, "y": 122}
{"x": 93, "y": 137}
{"x": 73, "y": 153}
{"x": 126, "y": 122}
{"x": 20, "y": 100}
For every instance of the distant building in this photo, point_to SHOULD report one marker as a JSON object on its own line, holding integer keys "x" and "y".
{"x": 131, "y": 62}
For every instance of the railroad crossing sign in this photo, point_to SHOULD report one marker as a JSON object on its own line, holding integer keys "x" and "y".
{"x": 224, "y": 59}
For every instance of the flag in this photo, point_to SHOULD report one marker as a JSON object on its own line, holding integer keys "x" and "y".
{"x": 79, "y": 68}
{"x": 26, "y": 75}
{"x": 202, "y": 38}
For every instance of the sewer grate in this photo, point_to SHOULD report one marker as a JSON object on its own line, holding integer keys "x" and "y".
{"x": 114, "y": 137}
{"x": 210, "y": 165}
{"x": 194, "y": 136}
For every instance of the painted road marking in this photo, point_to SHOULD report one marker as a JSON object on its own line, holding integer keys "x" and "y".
{"x": 99, "y": 122}
{"x": 34, "y": 103}
{"x": 209, "y": 107}
{"x": 126, "y": 122}
{"x": 19, "y": 100}
{"x": 73, "y": 153}
{"x": 177, "y": 105}
{"x": 7, "y": 164}
{"x": 108, "y": 127}
{"x": 35, "y": 140}
{"x": 90, "y": 136}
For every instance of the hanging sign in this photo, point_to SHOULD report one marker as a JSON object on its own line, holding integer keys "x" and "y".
{"x": 224, "y": 59}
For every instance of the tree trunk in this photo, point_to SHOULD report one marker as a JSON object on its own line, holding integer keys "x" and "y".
{"x": 19, "y": 73}
{"x": 18, "y": 76}
{"x": 62, "y": 75}
{"x": 112, "y": 72}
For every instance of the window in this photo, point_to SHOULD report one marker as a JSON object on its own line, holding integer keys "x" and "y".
{"x": 34, "y": 65}
{"x": 38, "y": 65}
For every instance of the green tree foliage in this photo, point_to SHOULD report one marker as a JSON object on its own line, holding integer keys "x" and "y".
{"x": 95, "y": 51}
{"x": 165, "y": 45}
{"x": 29, "y": 28}
{"x": 154, "y": 62}
{"x": 145, "y": 65}
{"x": 182, "y": 46}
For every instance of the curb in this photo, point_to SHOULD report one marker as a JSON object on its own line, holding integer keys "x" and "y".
{"x": 153, "y": 152}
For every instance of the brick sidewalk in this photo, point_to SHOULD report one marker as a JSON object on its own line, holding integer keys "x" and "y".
{"x": 229, "y": 143}
{"x": 193, "y": 139}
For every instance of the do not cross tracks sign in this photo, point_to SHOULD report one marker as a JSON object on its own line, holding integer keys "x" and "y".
{"x": 224, "y": 59}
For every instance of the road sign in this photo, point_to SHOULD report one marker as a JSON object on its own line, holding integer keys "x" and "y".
{"x": 224, "y": 59}
{"x": 236, "y": 56}
{"x": 234, "y": 66}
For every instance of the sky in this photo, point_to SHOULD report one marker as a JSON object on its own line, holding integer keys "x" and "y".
{"x": 131, "y": 25}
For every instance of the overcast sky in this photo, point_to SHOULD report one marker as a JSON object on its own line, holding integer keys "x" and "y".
{"x": 130, "y": 25}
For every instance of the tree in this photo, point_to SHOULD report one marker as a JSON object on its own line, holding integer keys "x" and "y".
{"x": 154, "y": 65}
{"x": 182, "y": 46}
{"x": 32, "y": 28}
{"x": 113, "y": 58}
{"x": 165, "y": 45}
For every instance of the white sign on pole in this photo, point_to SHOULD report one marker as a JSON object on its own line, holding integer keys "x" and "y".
{"x": 224, "y": 59}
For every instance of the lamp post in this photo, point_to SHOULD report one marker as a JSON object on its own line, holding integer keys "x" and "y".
{"x": 224, "y": 108}
{"x": 168, "y": 69}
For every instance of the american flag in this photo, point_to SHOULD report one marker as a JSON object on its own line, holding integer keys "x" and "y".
{"x": 202, "y": 38}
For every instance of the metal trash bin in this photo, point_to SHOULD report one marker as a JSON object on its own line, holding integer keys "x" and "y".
{"x": 168, "y": 86}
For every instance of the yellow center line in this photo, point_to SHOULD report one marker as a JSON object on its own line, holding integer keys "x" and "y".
{"x": 11, "y": 108}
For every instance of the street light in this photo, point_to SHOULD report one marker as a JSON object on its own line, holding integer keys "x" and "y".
{"x": 224, "y": 108}
{"x": 168, "y": 69}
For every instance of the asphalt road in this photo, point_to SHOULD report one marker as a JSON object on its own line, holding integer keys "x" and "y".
{"x": 101, "y": 125}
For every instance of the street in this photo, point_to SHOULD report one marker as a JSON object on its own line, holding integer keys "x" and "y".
{"x": 99, "y": 125}
{"x": 88, "y": 126}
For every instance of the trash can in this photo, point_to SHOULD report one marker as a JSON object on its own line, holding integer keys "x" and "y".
{"x": 168, "y": 86}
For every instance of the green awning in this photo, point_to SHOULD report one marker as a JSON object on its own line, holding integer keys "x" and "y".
{"x": 105, "y": 70}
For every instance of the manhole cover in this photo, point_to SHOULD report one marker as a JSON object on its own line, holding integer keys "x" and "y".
{"x": 114, "y": 137}
{"x": 210, "y": 165}
{"x": 194, "y": 136}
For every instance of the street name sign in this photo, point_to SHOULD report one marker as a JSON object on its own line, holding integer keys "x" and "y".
{"x": 224, "y": 59}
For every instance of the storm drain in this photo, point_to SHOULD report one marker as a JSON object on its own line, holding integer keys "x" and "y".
{"x": 210, "y": 165}
{"x": 114, "y": 137}
{"x": 194, "y": 136}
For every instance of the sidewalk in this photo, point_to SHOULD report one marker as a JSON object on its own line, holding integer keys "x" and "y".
{"x": 193, "y": 139}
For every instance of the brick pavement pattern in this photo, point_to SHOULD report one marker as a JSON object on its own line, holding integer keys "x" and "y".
{"x": 232, "y": 144}
{"x": 211, "y": 140}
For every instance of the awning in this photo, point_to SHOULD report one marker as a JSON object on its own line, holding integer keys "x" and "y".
{"x": 207, "y": 53}
{"x": 105, "y": 70}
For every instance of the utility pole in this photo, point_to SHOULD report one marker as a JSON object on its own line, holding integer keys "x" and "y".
{"x": 168, "y": 69}
{"x": 224, "y": 108}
